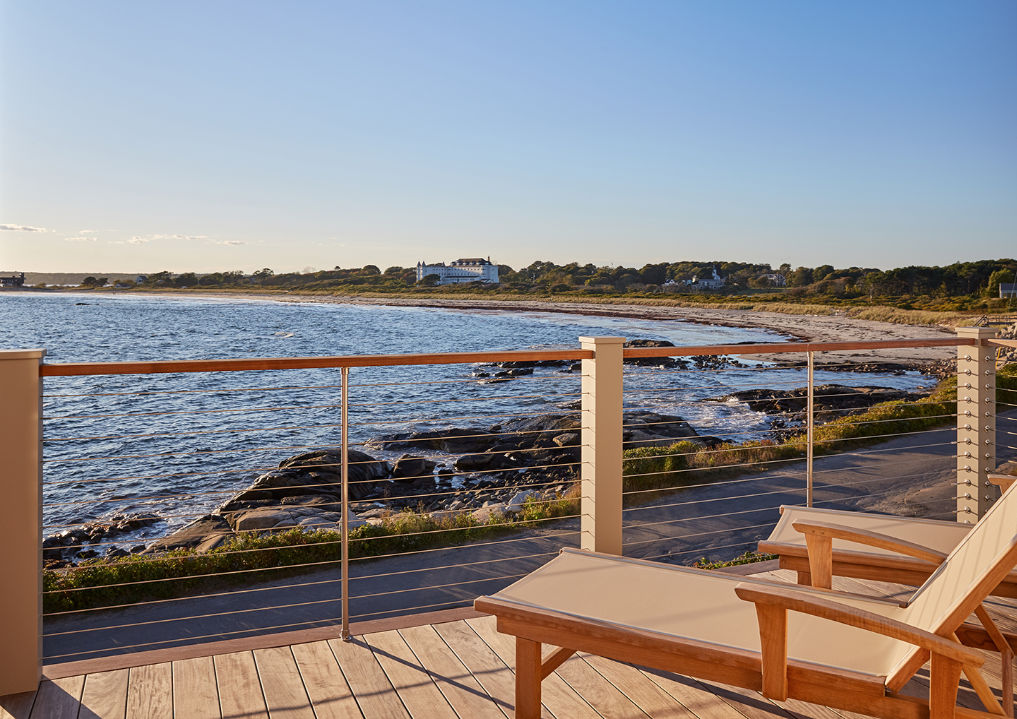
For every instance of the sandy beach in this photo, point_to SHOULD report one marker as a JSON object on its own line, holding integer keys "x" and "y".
{"x": 804, "y": 328}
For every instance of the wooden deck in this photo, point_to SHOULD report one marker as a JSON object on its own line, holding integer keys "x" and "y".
{"x": 455, "y": 670}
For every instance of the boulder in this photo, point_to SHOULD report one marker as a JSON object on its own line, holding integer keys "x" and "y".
{"x": 261, "y": 519}
{"x": 477, "y": 462}
{"x": 829, "y": 398}
{"x": 515, "y": 504}
{"x": 114, "y": 525}
{"x": 487, "y": 513}
{"x": 309, "y": 474}
{"x": 193, "y": 534}
{"x": 663, "y": 362}
{"x": 408, "y": 468}
{"x": 567, "y": 439}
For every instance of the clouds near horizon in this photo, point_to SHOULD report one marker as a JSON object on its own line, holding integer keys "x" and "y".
{"x": 22, "y": 228}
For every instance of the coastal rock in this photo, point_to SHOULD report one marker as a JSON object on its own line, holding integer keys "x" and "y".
{"x": 409, "y": 468}
{"x": 486, "y": 514}
{"x": 55, "y": 545}
{"x": 454, "y": 440}
{"x": 832, "y": 401}
{"x": 311, "y": 473}
{"x": 193, "y": 534}
{"x": 827, "y": 397}
{"x": 661, "y": 362}
{"x": 261, "y": 519}
{"x": 518, "y": 500}
{"x": 280, "y": 520}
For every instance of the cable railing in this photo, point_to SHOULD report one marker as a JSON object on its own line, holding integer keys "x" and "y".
{"x": 378, "y": 498}
{"x": 816, "y": 453}
{"x": 174, "y": 513}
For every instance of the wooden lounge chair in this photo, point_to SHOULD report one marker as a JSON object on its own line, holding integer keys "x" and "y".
{"x": 883, "y": 547}
{"x": 844, "y": 651}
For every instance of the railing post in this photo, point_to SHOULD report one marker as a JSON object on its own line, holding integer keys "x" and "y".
{"x": 344, "y": 523}
{"x": 810, "y": 422}
{"x": 601, "y": 473}
{"x": 21, "y": 520}
{"x": 976, "y": 422}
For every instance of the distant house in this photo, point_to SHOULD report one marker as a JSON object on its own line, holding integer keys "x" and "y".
{"x": 706, "y": 283}
{"x": 469, "y": 269}
{"x": 775, "y": 279}
{"x": 1007, "y": 289}
{"x": 17, "y": 280}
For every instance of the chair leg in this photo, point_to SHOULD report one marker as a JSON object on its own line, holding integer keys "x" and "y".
{"x": 943, "y": 686}
{"x": 1007, "y": 659}
{"x": 804, "y": 578}
{"x": 527, "y": 679}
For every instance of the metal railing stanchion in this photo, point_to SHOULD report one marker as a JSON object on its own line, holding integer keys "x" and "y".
{"x": 345, "y": 521}
{"x": 811, "y": 428}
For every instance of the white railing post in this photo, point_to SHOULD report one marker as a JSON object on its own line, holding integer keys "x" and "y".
{"x": 20, "y": 520}
{"x": 976, "y": 422}
{"x": 601, "y": 474}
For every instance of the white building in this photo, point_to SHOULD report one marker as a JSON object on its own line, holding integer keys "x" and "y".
{"x": 775, "y": 279}
{"x": 470, "y": 269}
{"x": 707, "y": 283}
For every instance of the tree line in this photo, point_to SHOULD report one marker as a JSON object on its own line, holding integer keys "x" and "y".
{"x": 962, "y": 285}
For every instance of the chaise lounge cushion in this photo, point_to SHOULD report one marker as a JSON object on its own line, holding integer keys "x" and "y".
{"x": 679, "y": 602}
{"x": 934, "y": 534}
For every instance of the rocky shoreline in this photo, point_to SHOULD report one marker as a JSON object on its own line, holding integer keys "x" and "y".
{"x": 476, "y": 470}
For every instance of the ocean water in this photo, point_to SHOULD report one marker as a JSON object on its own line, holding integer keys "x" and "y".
{"x": 180, "y": 444}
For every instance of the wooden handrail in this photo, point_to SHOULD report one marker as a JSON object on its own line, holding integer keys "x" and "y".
{"x": 782, "y": 347}
{"x": 72, "y": 369}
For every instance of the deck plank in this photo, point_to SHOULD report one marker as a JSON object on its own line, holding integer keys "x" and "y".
{"x": 326, "y": 686}
{"x": 557, "y": 695}
{"x": 648, "y": 696}
{"x": 461, "y": 689}
{"x": 701, "y": 699}
{"x": 456, "y": 669}
{"x": 280, "y": 681}
{"x": 236, "y": 677}
{"x": 413, "y": 680}
{"x": 487, "y": 667}
{"x": 105, "y": 695}
{"x": 17, "y": 706}
{"x": 150, "y": 692}
{"x": 368, "y": 682}
{"x": 601, "y": 694}
{"x": 58, "y": 698}
{"x": 195, "y": 694}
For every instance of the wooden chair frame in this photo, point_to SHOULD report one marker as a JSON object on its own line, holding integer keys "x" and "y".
{"x": 951, "y": 649}
{"x": 770, "y": 671}
{"x": 906, "y": 567}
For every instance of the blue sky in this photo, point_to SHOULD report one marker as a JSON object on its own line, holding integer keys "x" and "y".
{"x": 238, "y": 135}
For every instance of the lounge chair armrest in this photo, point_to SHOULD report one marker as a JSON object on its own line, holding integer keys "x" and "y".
{"x": 872, "y": 539}
{"x": 1003, "y": 481}
{"x": 806, "y": 603}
